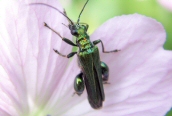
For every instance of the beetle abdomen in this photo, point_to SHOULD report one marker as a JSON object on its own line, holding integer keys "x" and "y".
{"x": 90, "y": 65}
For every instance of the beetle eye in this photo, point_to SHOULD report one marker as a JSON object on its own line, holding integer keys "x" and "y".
{"x": 74, "y": 32}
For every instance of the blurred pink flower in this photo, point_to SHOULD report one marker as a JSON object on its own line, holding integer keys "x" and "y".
{"x": 166, "y": 3}
{"x": 35, "y": 81}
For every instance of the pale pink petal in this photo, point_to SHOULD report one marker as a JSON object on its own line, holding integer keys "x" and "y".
{"x": 27, "y": 54}
{"x": 140, "y": 74}
{"x": 35, "y": 80}
{"x": 139, "y": 71}
{"x": 166, "y": 3}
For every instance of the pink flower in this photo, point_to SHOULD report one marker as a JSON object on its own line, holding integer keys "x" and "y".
{"x": 166, "y": 3}
{"x": 35, "y": 81}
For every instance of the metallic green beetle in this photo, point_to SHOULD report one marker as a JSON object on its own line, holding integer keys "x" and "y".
{"x": 93, "y": 71}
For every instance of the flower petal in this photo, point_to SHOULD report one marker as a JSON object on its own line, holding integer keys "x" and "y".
{"x": 166, "y": 3}
{"x": 27, "y": 55}
{"x": 42, "y": 84}
{"x": 139, "y": 71}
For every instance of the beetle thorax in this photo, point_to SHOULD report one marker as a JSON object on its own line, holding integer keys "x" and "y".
{"x": 84, "y": 42}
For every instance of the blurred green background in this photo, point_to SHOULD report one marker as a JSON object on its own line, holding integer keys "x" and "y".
{"x": 99, "y": 11}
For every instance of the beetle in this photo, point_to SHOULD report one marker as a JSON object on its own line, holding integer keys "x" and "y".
{"x": 94, "y": 72}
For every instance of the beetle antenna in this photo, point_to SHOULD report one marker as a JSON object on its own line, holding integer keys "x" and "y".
{"x": 82, "y": 11}
{"x": 54, "y": 9}
{"x": 64, "y": 25}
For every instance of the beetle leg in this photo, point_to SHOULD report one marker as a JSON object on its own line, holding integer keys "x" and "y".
{"x": 67, "y": 56}
{"x": 105, "y": 72}
{"x": 79, "y": 84}
{"x": 64, "y": 39}
{"x": 98, "y": 41}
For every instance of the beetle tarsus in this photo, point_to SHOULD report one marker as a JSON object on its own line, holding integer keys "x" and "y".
{"x": 67, "y": 56}
{"x": 56, "y": 51}
{"x": 103, "y": 50}
{"x": 105, "y": 82}
{"x": 116, "y": 50}
{"x": 45, "y": 24}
